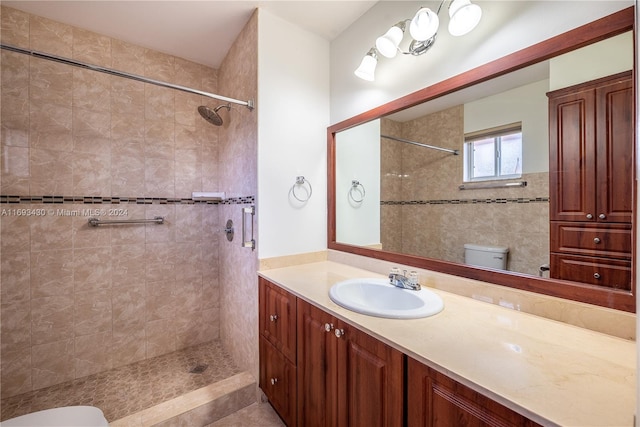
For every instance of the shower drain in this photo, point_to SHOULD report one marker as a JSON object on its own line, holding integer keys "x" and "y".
{"x": 198, "y": 369}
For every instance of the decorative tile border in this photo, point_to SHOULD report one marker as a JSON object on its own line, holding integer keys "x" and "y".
{"x": 94, "y": 200}
{"x": 465, "y": 201}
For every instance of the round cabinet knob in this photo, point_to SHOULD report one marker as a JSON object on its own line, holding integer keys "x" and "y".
{"x": 602, "y": 216}
{"x": 328, "y": 327}
{"x": 589, "y": 216}
{"x": 596, "y": 240}
{"x": 596, "y": 275}
{"x": 273, "y": 317}
{"x": 339, "y": 333}
{"x": 274, "y": 381}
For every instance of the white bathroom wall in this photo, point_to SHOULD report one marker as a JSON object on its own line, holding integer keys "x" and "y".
{"x": 506, "y": 27}
{"x": 615, "y": 54}
{"x": 293, "y": 115}
{"x": 358, "y": 158}
{"x": 526, "y": 104}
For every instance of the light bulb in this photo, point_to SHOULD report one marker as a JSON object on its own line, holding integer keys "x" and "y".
{"x": 464, "y": 16}
{"x": 387, "y": 44}
{"x": 424, "y": 25}
{"x": 367, "y": 67}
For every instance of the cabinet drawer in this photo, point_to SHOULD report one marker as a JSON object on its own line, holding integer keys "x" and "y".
{"x": 278, "y": 318}
{"x": 278, "y": 381}
{"x": 594, "y": 271}
{"x": 612, "y": 240}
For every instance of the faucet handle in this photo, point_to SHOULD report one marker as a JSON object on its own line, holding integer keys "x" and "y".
{"x": 394, "y": 271}
{"x": 413, "y": 277}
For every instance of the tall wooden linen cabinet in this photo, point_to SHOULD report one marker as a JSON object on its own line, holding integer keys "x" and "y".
{"x": 591, "y": 173}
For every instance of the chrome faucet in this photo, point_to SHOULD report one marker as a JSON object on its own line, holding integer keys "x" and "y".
{"x": 402, "y": 281}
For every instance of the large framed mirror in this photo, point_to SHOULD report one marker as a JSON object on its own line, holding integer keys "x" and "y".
{"x": 408, "y": 181}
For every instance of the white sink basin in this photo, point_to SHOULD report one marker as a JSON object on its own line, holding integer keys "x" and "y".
{"x": 377, "y": 297}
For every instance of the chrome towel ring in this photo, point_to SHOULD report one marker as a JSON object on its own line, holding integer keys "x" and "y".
{"x": 300, "y": 182}
{"x": 356, "y": 192}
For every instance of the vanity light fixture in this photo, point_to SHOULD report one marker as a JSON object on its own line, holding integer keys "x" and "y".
{"x": 367, "y": 67}
{"x": 464, "y": 16}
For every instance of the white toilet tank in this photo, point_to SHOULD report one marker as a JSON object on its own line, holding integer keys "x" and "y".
{"x": 486, "y": 256}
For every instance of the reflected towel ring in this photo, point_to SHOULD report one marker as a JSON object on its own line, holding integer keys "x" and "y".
{"x": 358, "y": 189}
{"x": 301, "y": 181}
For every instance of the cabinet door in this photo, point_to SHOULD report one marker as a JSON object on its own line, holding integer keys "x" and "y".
{"x": 615, "y": 155}
{"x": 317, "y": 374}
{"x": 278, "y": 381}
{"x": 278, "y": 318}
{"x": 436, "y": 400}
{"x": 572, "y": 157}
{"x": 370, "y": 380}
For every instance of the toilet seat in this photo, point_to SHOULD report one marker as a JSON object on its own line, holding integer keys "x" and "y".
{"x": 67, "y": 416}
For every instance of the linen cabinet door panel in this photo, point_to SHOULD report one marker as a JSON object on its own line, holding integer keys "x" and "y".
{"x": 614, "y": 106}
{"x": 371, "y": 381}
{"x": 317, "y": 374}
{"x": 572, "y": 157}
{"x": 278, "y": 318}
{"x": 278, "y": 381}
{"x": 438, "y": 401}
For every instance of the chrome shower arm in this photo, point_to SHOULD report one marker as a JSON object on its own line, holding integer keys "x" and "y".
{"x": 73, "y": 62}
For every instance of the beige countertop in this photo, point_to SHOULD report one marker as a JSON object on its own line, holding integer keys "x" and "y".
{"x": 551, "y": 372}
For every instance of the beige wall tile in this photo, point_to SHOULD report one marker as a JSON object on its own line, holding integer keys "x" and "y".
{"x": 16, "y": 371}
{"x": 92, "y": 312}
{"x": 91, "y": 269}
{"x": 14, "y": 26}
{"x": 16, "y": 319}
{"x": 159, "y": 66}
{"x": 128, "y": 347}
{"x": 50, "y": 82}
{"x": 14, "y": 170}
{"x": 128, "y": 265}
{"x": 51, "y": 319}
{"x": 93, "y": 354}
{"x": 159, "y": 178}
{"x": 50, "y": 127}
{"x": 15, "y": 277}
{"x": 160, "y": 336}
{"x": 91, "y": 48}
{"x": 50, "y": 36}
{"x": 52, "y": 363}
{"x": 127, "y": 57}
{"x": 91, "y": 90}
{"x": 91, "y": 174}
{"x": 129, "y": 309}
{"x": 50, "y": 232}
{"x": 14, "y": 128}
{"x": 15, "y": 233}
{"x": 51, "y": 273}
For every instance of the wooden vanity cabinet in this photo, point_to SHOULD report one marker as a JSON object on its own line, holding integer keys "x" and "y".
{"x": 591, "y": 175}
{"x": 277, "y": 346}
{"x": 435, "y": 400}
{"x": 346, "y": 377}
{"x": 339, "y": 376}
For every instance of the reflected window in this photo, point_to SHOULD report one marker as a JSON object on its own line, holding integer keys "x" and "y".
{"x": 493, "y": 153}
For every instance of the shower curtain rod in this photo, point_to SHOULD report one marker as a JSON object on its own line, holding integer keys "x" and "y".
{"x": 42, "y": 55}
{"x": 454, "y": 152}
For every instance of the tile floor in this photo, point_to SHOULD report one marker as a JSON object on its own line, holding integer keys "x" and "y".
{"x": 256, "y": 415}
{"x": 129, "y": 389}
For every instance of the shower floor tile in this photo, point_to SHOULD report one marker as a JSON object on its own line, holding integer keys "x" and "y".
{"x": 129, "y": 389}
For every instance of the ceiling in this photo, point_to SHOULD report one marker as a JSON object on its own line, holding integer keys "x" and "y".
{"x": 200, "y": 31}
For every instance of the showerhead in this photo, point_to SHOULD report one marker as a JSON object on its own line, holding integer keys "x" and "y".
{"x": 212, "y": 116}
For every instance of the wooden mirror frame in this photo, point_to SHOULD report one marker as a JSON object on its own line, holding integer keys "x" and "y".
{"x": 609, "y": 26}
